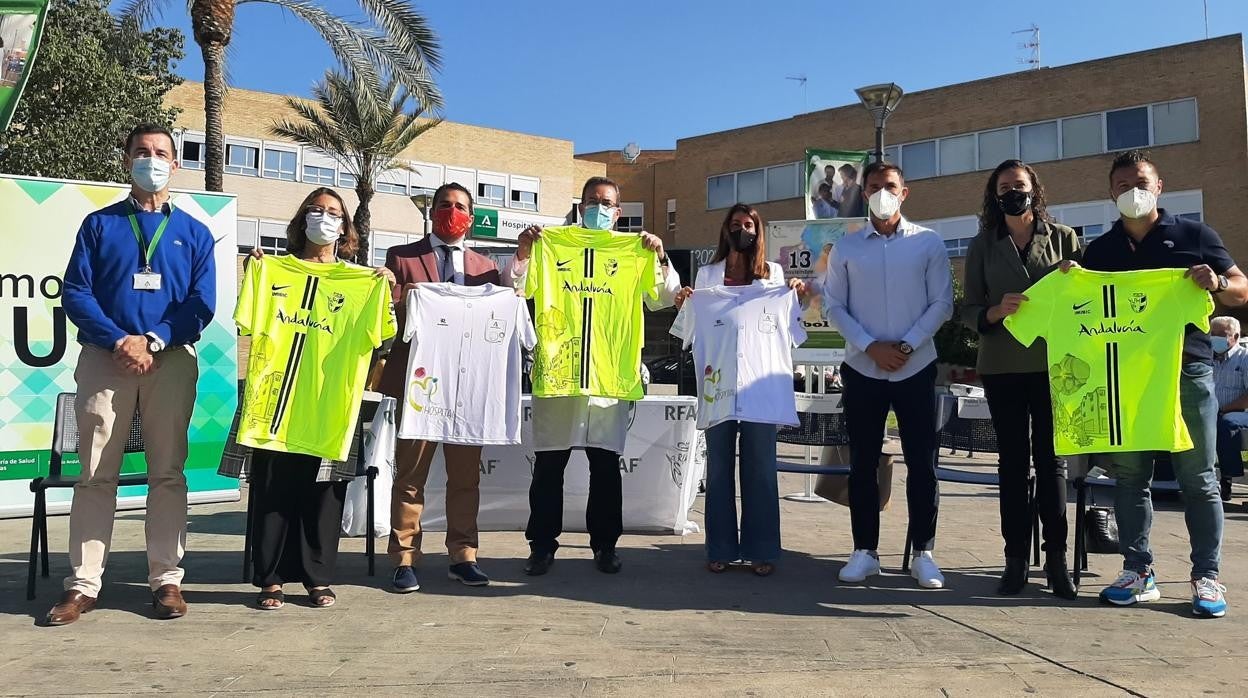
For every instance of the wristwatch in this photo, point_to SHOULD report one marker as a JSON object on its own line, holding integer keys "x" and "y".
{"x": 1223, "y": 283}
{"x": 153, "y": 343}
{"x": 905, "y": 348}
{"x": 663, "y": 260}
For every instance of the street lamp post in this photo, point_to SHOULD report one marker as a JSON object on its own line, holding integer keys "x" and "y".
{"x": 423, "y": 202}
{"x": 881, "y": 101}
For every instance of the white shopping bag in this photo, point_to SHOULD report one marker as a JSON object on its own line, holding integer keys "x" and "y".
{"x": 378, "y": 449}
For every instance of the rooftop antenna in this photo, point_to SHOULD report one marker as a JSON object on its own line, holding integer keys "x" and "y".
{"x": 1032, "y": 61}
{"x": 631, "y": 152}
{"x": 1206, "y": 4}
{"x": 800, "y": 78}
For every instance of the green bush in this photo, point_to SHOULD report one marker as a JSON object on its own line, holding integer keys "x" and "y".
{"x": 955, "y": 343}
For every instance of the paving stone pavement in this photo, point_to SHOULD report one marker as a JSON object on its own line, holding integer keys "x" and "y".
{"x": 664, "y": 626}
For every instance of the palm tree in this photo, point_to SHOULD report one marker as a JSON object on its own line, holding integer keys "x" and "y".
{"x": 363, "y": 128}
{"x": 396, "y": 40}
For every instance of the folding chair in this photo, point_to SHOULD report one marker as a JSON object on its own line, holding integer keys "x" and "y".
{"x": 970, "y": 434}
{"x": 65, "y": 440}
{"x": 368, "y": 410}
{"x": 820, "y": 423}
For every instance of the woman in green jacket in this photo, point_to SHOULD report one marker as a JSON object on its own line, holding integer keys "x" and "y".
{"x": 1018, "y": 243}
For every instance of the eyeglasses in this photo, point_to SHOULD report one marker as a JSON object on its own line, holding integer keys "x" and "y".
{"x": 599, "y": 202}
{"x": 321, "y": 209}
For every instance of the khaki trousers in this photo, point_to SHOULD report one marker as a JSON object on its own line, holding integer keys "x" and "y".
{"x": 107, "y": 398}
{"x": 463, "y": 497}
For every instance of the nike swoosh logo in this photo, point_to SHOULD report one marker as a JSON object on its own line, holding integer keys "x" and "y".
{"x": 564, "y": 264}
{"x": 1080, "y": 306}
{"x": 279, "y": 288}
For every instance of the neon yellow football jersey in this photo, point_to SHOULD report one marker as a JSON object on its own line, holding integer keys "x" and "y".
{"x": 314, "y": 328}
{"x": 587, "y": 288}
{"x": 1115, "y": 350}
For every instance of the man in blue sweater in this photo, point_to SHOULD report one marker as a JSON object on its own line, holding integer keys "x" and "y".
{"x": 140, "y": 287}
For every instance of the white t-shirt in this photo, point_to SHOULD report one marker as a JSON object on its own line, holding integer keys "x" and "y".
{"x": 743, "y": 339}
{"x": 463, "y": 372}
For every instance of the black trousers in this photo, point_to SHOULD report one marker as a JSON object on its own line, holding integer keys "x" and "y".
{"x": 604, "y": 517}
{"x": 866, "y": 402}
{"x": 1022, "y": 415}
{"x": 298, "y": 521}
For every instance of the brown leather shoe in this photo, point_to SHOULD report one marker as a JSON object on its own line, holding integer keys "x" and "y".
{"x": 168, "y": 602}
{"x": 71, "y": 605}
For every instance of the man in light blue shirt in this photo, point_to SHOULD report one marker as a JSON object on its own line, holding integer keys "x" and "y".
{"x": 1230, "y": 385}
{"x": 888, "y": 289}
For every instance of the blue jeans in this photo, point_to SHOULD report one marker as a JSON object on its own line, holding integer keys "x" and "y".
{"x": 760, "y": 496}
{"x": 1230, "y": 461}
{"x": 1202, "y": 505}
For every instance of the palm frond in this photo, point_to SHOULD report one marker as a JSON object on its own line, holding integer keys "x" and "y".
{"x": 368, "y": 52}
{"x": 142, "y": 11}
{"x": 409, "y": 29}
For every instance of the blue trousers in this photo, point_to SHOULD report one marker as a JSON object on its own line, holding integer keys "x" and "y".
{"x": 758, "y": 539}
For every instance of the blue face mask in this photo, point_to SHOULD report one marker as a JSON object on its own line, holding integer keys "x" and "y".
{"x": 598, "y": 217}
{"x": 1221, "y": 345}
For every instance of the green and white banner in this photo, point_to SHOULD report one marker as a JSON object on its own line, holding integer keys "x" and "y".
{"x": 500, "y": 224}
{"x": 801, "y": 248}
{"x": 21, "y": 25}
{"x": 39, "y": 219}
{"x": 834, "y": 184}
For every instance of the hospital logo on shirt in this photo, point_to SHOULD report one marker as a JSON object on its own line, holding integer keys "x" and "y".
{"x": 421, "y": 389}
{"x": 711, "y": 392}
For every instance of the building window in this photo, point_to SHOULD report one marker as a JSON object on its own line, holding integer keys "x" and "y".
{"x": 919, "y": 159}
{"x": 995, "y": 147}
{"x": 280, "y": 164}
{"x": 272, "y": 237}
{"x": 242, "y": 159}
{"x": 721, "y": 191}
{"x": 391, "y": 187}
{"x": 671, "y": 221}
{"x": 248, "y": 237}
{"x": 957, "y": 154}
{"x": 957, "y": 247}
{"x": 751, "y": 187}
{"x": 1190, "y": 216}
{"x": 491, "y": 194}
{"x": 192, "y": 154}
{"x": 318, "y": 175}
{"x": 782, "y": 182}
{"x": 346, "y": 179}
{"x": 1174, "y": 122}
{"x": 1038, "y": 142}
{"x": 1088, "y": 233}
{"x": 1126, "y": 128}
{"x": 892, "y": 154}
{"x": 1081, "y": 136}
{"x": 526, "y": 200}
{"x": 629, "y": 224}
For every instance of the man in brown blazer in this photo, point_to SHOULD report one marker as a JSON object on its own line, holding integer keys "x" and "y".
{"x": 443, "y": 257}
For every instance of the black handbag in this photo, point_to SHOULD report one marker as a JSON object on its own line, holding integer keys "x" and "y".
{"x": 1101, "y": 531}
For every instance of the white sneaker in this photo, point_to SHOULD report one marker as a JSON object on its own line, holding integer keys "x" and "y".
{"x": 923, "y": 568}
{"x": 862, "y": 564}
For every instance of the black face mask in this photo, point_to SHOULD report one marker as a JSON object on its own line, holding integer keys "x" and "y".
{"x": 741, "y": 239}
{"x": 1014, "y": 202}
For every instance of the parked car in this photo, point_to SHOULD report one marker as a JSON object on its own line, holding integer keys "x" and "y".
{"x": 675, "y": 369}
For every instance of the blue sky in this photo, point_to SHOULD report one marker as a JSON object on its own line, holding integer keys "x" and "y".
{"x": 655, "y": 71}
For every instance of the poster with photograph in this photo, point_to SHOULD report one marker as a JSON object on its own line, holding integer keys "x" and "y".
{"x": 801, "y": 248}
{"x": 21, "y": 23}
{"x": 834, "y": 184}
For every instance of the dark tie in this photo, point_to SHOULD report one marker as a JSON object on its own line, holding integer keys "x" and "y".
{"x": 448, "y": 264}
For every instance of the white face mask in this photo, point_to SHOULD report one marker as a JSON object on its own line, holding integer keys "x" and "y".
{"x": 150, "y": 174}
{"x": 322, "y": 228}
{"x": 884, "y": 204}
{"x": 1136, "y": 203}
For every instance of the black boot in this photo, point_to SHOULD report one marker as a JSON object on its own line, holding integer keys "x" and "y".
{"x": 1059, "y": 578}
{"x": 1015, "y": 576}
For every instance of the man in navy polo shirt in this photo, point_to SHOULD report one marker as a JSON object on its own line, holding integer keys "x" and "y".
{"x": 1146, "y": 237}
{"x": 140, "y": 287}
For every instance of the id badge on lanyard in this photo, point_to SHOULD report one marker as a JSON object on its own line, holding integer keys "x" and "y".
{"x": 146, "y": 279}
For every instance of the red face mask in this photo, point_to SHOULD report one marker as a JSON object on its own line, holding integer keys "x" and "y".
{"x": 451, "y": 222}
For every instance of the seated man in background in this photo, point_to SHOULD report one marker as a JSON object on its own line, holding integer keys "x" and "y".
{"x": 1230, "y": 378}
